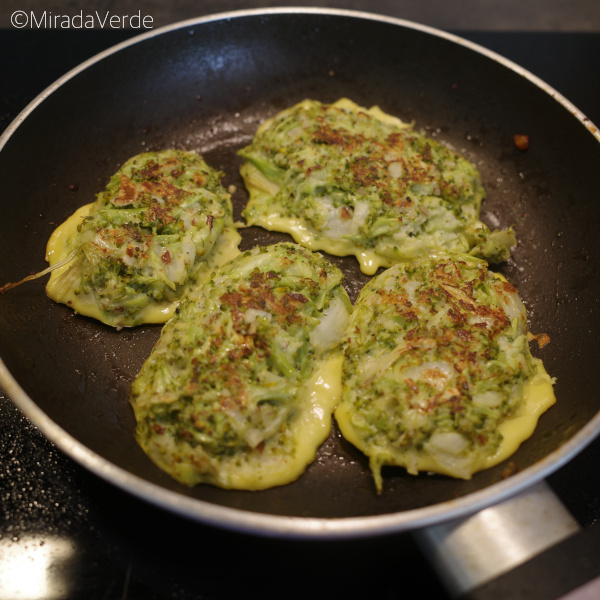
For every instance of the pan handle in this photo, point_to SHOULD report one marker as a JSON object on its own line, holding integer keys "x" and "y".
{"x": 469, "y": 552}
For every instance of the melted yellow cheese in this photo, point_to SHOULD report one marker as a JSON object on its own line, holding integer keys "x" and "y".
{"x": 240, "y": 389}
{"x": 262, "y": 189}
{"x": 261, "y": 469}
{"x": 337, "y": 178}
{"x": 321, "y": 395}
{"x": 538, "y": 397}
{"x": 369, "y": 260}
{"x": 57, "y": 249}
{"x": 438, "y": 375}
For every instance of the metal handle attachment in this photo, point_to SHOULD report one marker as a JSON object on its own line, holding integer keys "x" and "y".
{"x": 469, "y": 552}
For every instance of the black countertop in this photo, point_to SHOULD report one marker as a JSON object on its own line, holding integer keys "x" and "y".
{"x": 64, "y": 533}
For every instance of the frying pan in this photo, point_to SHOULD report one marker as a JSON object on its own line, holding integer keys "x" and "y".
{"x": 205, "y": 85}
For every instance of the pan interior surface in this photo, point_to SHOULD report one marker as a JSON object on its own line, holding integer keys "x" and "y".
{"x": 206, "y": 86}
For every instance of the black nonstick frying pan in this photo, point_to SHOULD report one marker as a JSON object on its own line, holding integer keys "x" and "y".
{"x": 205, "y": 86}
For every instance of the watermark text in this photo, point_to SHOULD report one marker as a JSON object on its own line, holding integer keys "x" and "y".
{"x": 82, "y": 20}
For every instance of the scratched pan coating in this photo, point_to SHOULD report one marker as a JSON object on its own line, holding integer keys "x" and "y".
{"x": 206, "y": 85}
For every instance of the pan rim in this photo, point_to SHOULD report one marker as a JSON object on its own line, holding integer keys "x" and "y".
{"x": 278, "y": 525}
{"x": 454, "y": 38}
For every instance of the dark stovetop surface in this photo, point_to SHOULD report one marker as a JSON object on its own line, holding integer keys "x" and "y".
{"x": 66, "y": 534}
